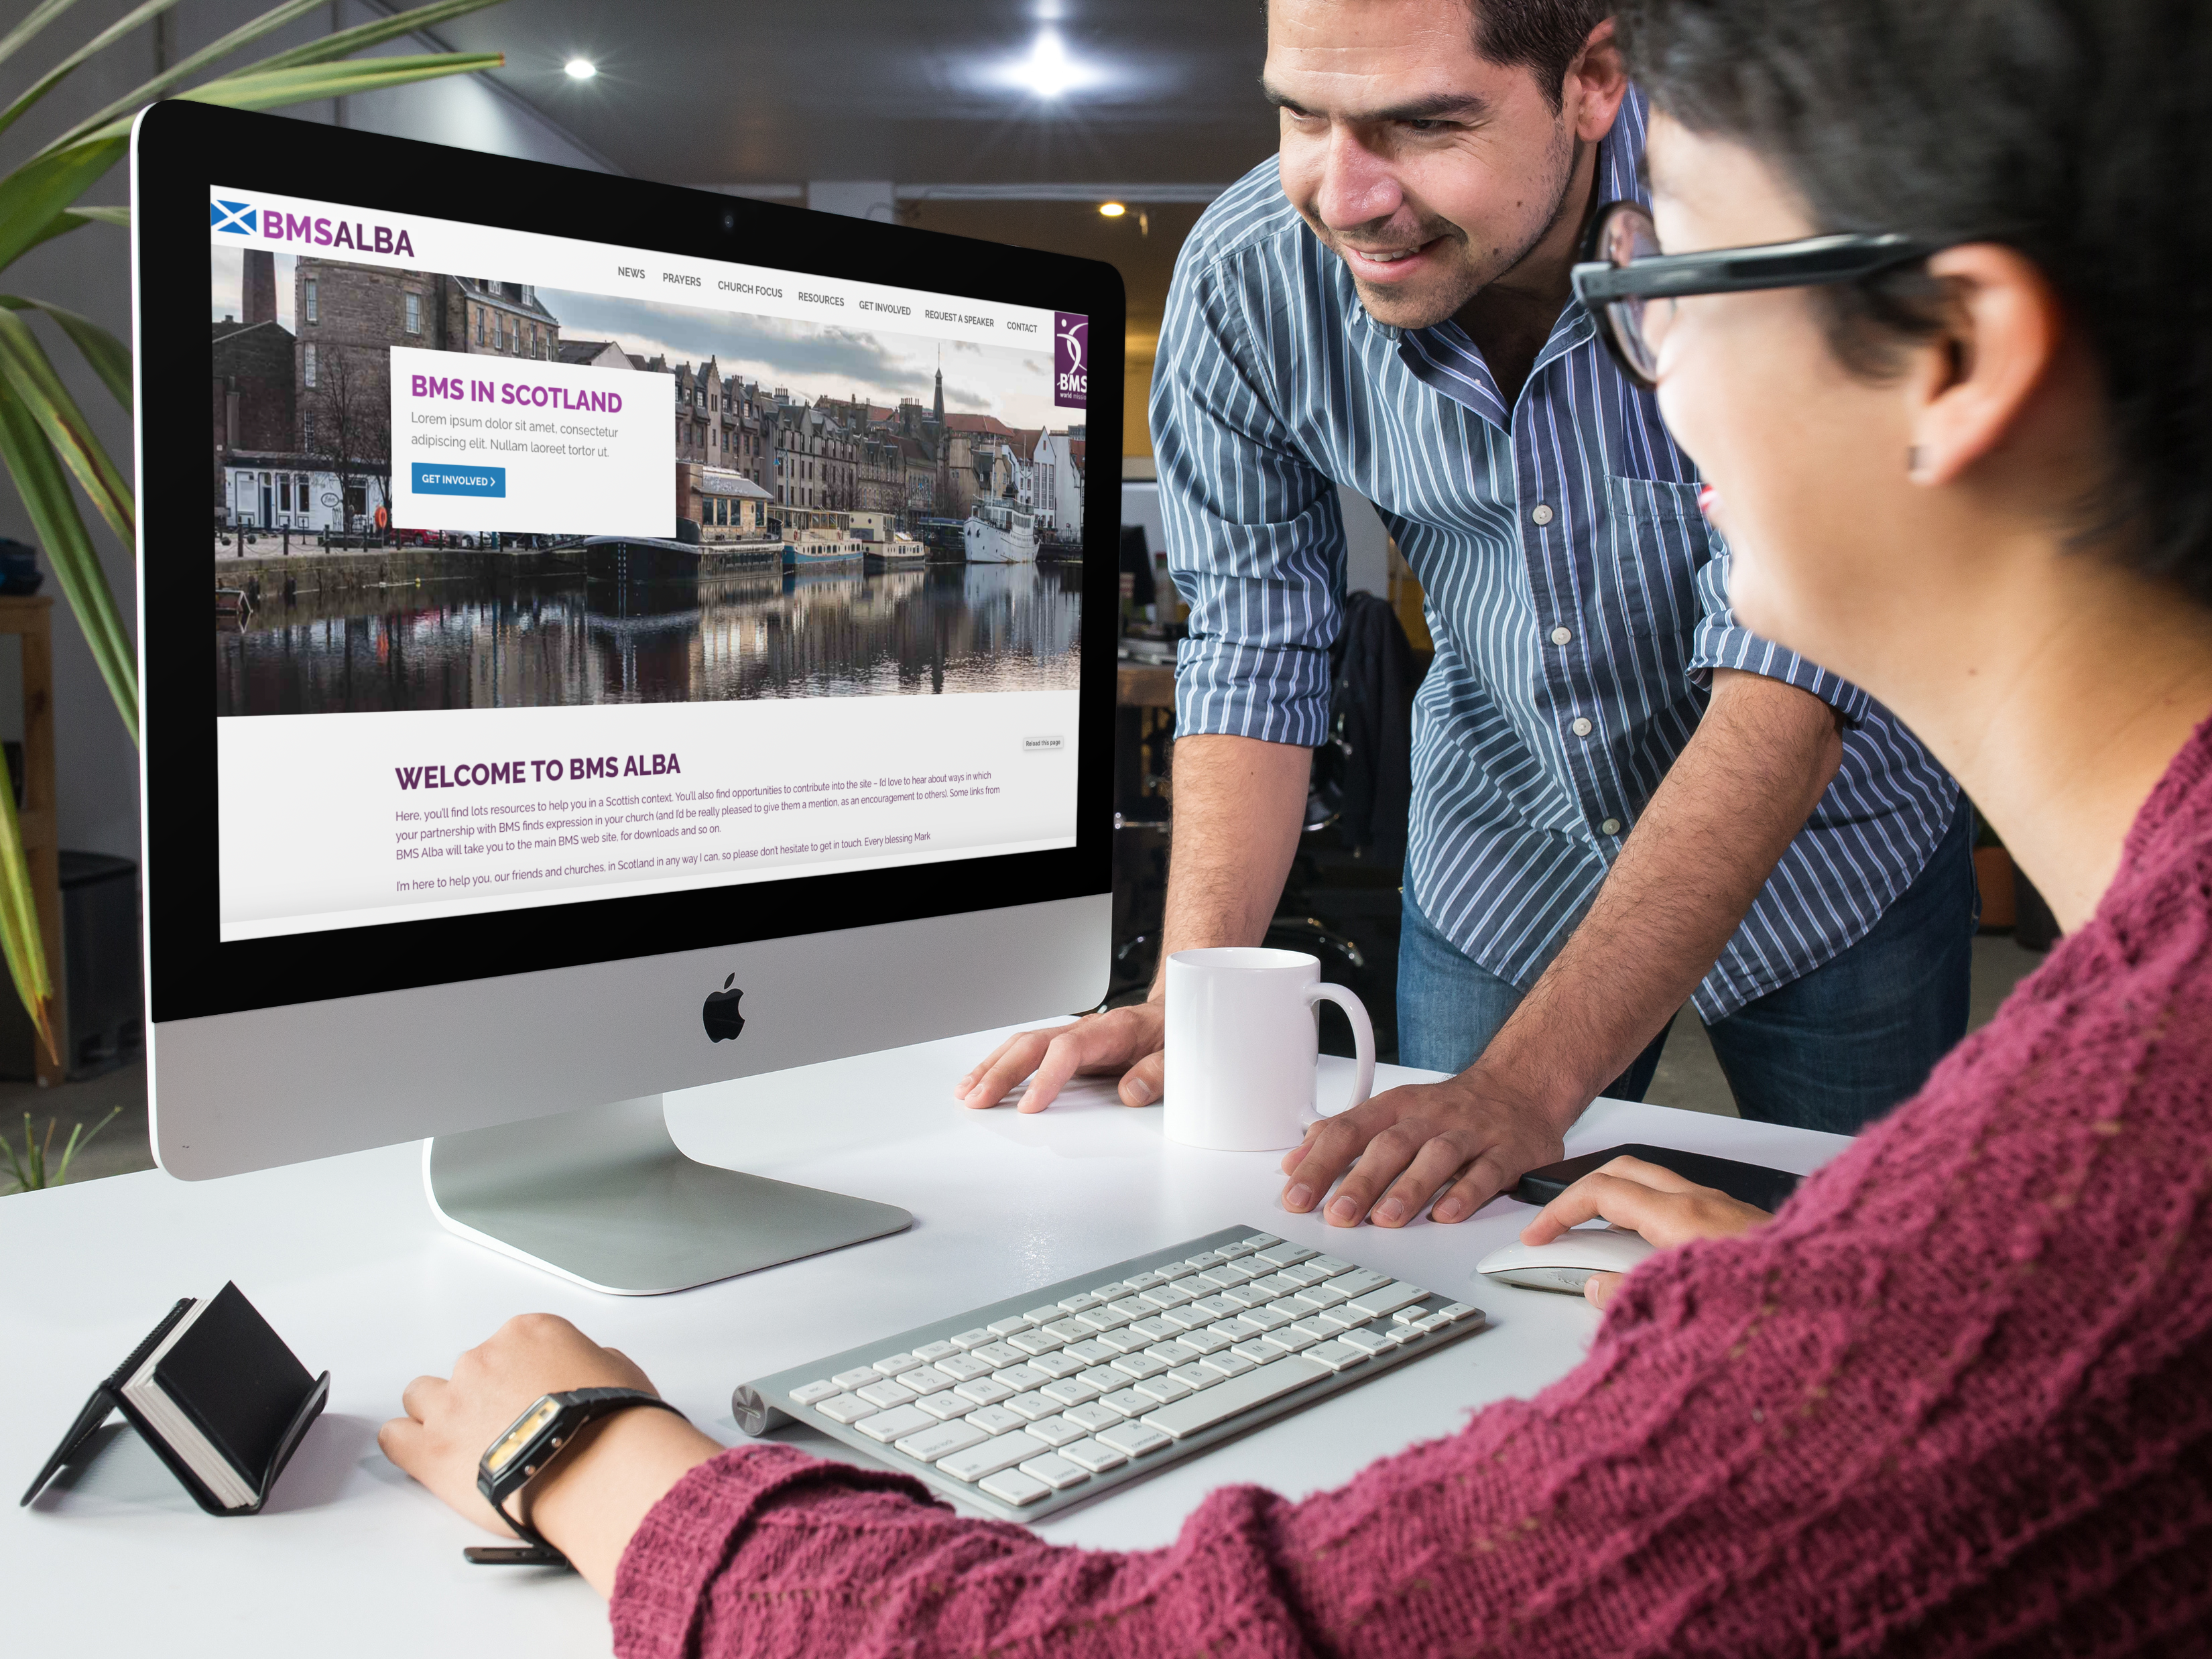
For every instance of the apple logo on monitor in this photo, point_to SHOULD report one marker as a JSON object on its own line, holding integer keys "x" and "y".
{"x": 720, "y": 1015}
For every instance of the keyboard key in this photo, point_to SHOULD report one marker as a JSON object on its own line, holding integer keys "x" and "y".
{"x": 1412, "y": 1314}
{"x": 1056, "y": 1431}
{"x": 1319, "y": 1329}
{"x": 1035, "y": 1342}
{"x": 1331, "y": 1265}
{"x": 1459, "y": 1310}
{"x": 1090, "y": 1455}
{"x": 1289, "y": 1340}
{"x": 1290, "y": 1308}
{"x": 1238, "y": 1394}
{"x": 1058, "y": 1364}
{"x": 813, "y": 1393}
{"x": 1270, "y": 1318}
{"x": 1155, "y": 1330}
{"x": 1258, "y": 1352}
{"x": 1280, "y": 1255}
{"x": 930, "y": 1352}
{"x": 1223, "y": 1274}
{"x": 1436, "y": 1322}
{"x": 1108, "y": 1317}
{"x": 885, "y": 1394}
{"x": 1010, "y": 1324}
{"x": 1367, "y": 1341}
{"x": 1105, "y": 1378}
{"x": 1043, "y": 1315}
{"x": 984, "y": 1391}
{"x": 995, "y": 1354}
{"x": 1113, "y": 1293}
{"x": 1337, "y": 1356}
{"x": 1078, "y": 1303}
{"x": 1257, "y": 1242}
{"x": 888, "y": 1426}
{"x": 857, "y": 1376}
{"x": 1203, "y": 1260}
{"x": 1315, "y": 1297}
{"x": 1069, "y": 1330}
{"x": 1034, "y": 1406}
{"x": 1125, "y": 1341}
{"x": 1197, "y": 1376}
{"x": 1228, "y": 1362}
{"x": 1388, "y": 1297}
{"x": 975, "y": 1339}
{"x": 1248, "y": 1296}
{"x": 1342, "y": 1317}
{"x": 924, "y": 1380}
{"x": 1187, "y": 1317}
{"x": 1093, "y": 1418}
{"x": 1021, "y": 1378}
{"x": 1091, "y": 1351}
{"x": 1013, "y": 1487}
{"x": 996, "y": 1420}
{"x": 1143, "y": 1281}
{"x": 940, "y": 1440}
{"x": 1129, "y": 1402}
{"x": 1134, "y": 1306}
{"x": 1272, "y": 1286}
{"x": 963, "y": 1367}
{"x": 1002, "y": 1453}
{"x": 846, "y": 1409}
{"x": 1136, "y": 1439}
{"x": 1171, "y": 1295}
{"x": 1136, "y": 1365}
{"x": 1164, "y": 1388}
{"x": 1401, "y": 1334}
{"x": 1172, "y": 1354}
{"x": 944, "y": 1406}
{"x": 1070, "y": 1391}
{"x": 1359, "y": 1281}
{"x": 895, "y": 1364}
{"x": 1302, "y": 1274}
{"x": 1055, "y": 1472}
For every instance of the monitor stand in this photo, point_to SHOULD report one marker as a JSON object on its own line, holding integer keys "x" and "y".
{"x": 603, "y": 1198}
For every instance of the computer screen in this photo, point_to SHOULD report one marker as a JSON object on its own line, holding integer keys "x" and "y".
{"x": 602, "y": 572}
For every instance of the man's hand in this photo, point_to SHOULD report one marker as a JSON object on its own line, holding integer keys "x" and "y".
{"x": 1642, "y": 1197}
{"x": 1413, "y": 1142}
{"x": 1129, "y": 1041}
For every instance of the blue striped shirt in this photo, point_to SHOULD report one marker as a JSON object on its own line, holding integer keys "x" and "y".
{"x": 1577, "y": 600}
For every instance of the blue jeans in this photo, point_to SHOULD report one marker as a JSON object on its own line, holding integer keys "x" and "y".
{"x": 1833, "y": 1050}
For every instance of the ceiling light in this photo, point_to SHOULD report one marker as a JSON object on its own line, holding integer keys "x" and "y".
{"x": 1111, "y": 210}
{"x": 581, "y": 69}
{"x": 1050, "y": 72}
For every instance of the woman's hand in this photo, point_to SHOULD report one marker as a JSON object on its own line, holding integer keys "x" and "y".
{"x": 588, "y": 1504}
{"x": 1642, "y": 1197}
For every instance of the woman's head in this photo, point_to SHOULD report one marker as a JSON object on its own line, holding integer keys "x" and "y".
{"x": 1891, "y": 442}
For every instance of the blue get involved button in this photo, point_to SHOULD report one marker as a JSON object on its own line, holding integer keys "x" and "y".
{"x": 436, "y": 478}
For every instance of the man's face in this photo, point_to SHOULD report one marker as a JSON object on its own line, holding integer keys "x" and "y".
{"x": 1429, "y": 170}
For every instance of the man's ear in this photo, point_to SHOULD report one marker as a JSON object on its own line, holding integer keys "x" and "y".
{"x": 1974, "y": 382}
{"x": 1595, "y": 83}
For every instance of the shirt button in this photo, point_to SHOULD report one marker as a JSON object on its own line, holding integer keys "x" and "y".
{"x": 1611, "y": 826}
{"x": 1542, "y": 515}
{"x": 1561, "y": 635}
{"x": 1582, "y": 729}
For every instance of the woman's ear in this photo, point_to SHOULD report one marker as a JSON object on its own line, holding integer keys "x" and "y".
{"x": 1976, "y": 378}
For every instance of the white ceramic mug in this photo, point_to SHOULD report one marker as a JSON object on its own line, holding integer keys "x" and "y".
{"x": 1244, "y": 1035}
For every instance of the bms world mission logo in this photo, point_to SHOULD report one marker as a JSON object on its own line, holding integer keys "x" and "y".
{"x": 1071, "y": 359}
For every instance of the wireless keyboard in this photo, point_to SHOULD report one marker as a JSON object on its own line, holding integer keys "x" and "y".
{"x": 1030, "y": 1405}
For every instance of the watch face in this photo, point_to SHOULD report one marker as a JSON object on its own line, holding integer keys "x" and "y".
{"x": 512, "y": 1444}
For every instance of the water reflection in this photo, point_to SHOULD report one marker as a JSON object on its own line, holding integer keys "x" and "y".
{"x": 470, "y": 643}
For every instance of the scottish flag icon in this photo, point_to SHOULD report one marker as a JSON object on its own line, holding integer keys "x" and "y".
{"x": 236, "y": 218}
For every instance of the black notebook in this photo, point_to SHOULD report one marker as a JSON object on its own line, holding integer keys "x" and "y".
{"x": 218, "y": 1395}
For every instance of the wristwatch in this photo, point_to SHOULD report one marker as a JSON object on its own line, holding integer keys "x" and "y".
{"x": 532, "y": 1441}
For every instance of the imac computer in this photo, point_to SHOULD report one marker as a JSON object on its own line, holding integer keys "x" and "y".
{"x": 658, "y": 638}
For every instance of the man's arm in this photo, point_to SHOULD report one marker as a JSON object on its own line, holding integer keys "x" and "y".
{"x": 1726, "y": 812}
{"x": 1239, "y": 805}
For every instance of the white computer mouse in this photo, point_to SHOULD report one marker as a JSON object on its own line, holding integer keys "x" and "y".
{"x": 1565, "y": 1263}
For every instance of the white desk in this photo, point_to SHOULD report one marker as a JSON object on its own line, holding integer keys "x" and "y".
{"x": 343, "y": 1258}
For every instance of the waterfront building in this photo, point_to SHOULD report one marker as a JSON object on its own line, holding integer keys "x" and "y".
{"x": 727, "y": 506}
{"x": 1058, "y": 486}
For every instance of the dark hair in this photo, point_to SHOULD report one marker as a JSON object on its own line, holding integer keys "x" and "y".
{"x": 2073, "y": 130}
{"x": 1546, "y": 35}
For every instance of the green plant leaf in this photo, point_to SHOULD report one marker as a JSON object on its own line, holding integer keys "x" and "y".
{"x": 27, "y": 369}
{"x": 273, "y": 89}
{"x": 20, "y": 938}
{"x": 98, "y": 43}
{"x": 44, "y": 487}
{"x": 70, "y": 219}
{"x": 33, "y": 194}
{"x": 36, "y": 19}
{"x": 109, "y": 357}
{"x": 178, "y": 73}
{"x": 347, "y": 41}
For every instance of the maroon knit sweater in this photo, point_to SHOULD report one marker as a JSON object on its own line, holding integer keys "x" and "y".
{"x": 1957, "y": 1399}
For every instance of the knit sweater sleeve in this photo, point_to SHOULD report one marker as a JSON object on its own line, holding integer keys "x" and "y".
{"x": 1950, "y": 1398}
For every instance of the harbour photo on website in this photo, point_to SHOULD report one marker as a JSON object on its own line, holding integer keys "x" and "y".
{"x": 524, "y": 588}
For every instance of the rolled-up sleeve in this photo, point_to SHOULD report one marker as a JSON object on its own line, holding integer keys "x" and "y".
{"x": 1255, "y": 539}
{"x": 1724, "y": 642}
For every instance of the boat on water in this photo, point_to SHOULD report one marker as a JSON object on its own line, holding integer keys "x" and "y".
{"x": 626, "y": 559}
{"x": 1000, "y": 532}
{"x": 898, "y": 553}
{"x": 817, "y": 549}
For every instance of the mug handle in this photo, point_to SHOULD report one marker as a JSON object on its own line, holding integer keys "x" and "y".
{"x": 1362, "y": 1037}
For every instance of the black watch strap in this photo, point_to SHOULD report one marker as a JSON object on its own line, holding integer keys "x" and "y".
{"x": 525, "y": 1449}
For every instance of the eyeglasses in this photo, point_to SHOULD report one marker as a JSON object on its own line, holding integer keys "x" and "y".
{"x": 1630, "y": 286}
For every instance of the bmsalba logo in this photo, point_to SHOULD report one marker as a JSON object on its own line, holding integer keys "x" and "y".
{"x": 720, "y": 1015}
{"x": 275, "y": 225}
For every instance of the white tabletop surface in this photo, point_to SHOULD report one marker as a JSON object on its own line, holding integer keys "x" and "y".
{"x": 343, "y": 1258}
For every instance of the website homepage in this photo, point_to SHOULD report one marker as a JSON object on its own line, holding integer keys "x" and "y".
{"x": 547, "y": 570}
